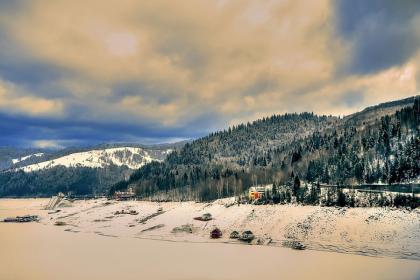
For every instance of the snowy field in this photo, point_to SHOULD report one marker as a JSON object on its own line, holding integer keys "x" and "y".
{"x": 97, "y": 243}
{"x": 366, "y": 231}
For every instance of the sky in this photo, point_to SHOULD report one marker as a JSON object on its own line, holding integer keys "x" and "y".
{"x": 86, "y": 72}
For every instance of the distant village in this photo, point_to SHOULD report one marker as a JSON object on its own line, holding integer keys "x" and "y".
{"x": 320, "y": 194}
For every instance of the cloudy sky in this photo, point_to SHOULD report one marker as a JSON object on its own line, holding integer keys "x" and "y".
{"x": 83, "y": 72}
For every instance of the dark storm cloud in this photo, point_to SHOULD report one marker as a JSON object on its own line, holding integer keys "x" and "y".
{"x": 152, "y": 72}
{"x": 382, "y": 32}
{"x": 20, "y": 67}
{"x": 22, "y": 131}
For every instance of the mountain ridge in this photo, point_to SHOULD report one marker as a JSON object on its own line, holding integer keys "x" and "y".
{"x": 131, "y": 157}
{"x": 378, "y": 144}
{"x": 215, "y": 166}
{"x": 83, "y": 170}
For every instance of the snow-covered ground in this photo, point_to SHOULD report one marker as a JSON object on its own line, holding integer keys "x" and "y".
{"x": 367, "y": 231}
{"x": 97, "y": 243}
{"x": 17, "y": 160}
{"x": 131, "y": 157}
{"x": 41, "y": 251}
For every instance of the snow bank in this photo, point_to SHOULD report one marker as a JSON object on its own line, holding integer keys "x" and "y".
{"x": 368, "y": 231}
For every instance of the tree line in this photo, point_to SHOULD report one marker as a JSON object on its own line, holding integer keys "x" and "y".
{"x": 330, "y": 151}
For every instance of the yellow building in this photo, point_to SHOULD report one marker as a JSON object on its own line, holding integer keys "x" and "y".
{"x": 259, "y": 191}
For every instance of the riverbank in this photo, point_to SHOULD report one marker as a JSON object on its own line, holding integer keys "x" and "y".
{"x": 92, "y": 245}
{"x": 366, "y": 231}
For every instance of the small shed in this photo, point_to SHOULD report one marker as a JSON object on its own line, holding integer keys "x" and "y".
{"x": 234, "y": 235}
{"x": 247, "y": 236}
{"x": 216, "y": 233}
{"x": 205, "y": 217}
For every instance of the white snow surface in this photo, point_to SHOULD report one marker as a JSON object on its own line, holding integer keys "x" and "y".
{"x": 17, "y": 160}
{"x": 131, "y": 157}
{"x": 368, "y": 231}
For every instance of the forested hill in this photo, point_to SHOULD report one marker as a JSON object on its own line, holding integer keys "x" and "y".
{"x": 379, "y": 144}
{"x": 86, "y": 170}
{"x": 245, "y": 145}
{"x": 371, "y": 114}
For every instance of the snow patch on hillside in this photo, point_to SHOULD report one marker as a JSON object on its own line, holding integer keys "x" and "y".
{"x": 131, "y": 157}
{"x": 17, "y": 160}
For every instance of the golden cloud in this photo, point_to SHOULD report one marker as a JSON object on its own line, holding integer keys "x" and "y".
{"x": 199, "y": 45}
{"x": 244, "y": 59}
{"x": 14, "y": 99}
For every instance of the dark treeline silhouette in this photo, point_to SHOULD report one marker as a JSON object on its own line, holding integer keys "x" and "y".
{"x": 78, "y": 180}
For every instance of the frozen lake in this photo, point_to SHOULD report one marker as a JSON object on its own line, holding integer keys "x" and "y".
{"x": 38, "y": 251}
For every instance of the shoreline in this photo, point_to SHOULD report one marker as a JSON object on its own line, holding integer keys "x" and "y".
{"x": 111, "y": 249}
{"x": 378, "y": 232}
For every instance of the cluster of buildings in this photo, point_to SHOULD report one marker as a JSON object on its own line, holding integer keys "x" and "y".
{"x": 259, "y": 191}
{"x": 128, "y": 195}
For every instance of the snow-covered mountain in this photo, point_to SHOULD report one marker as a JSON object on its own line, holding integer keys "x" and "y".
{"x": 17, "y": 160}
{"x": 132, "y": 157}
{"x": 13, "y": 157}
{"x": 80, "y": 170}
